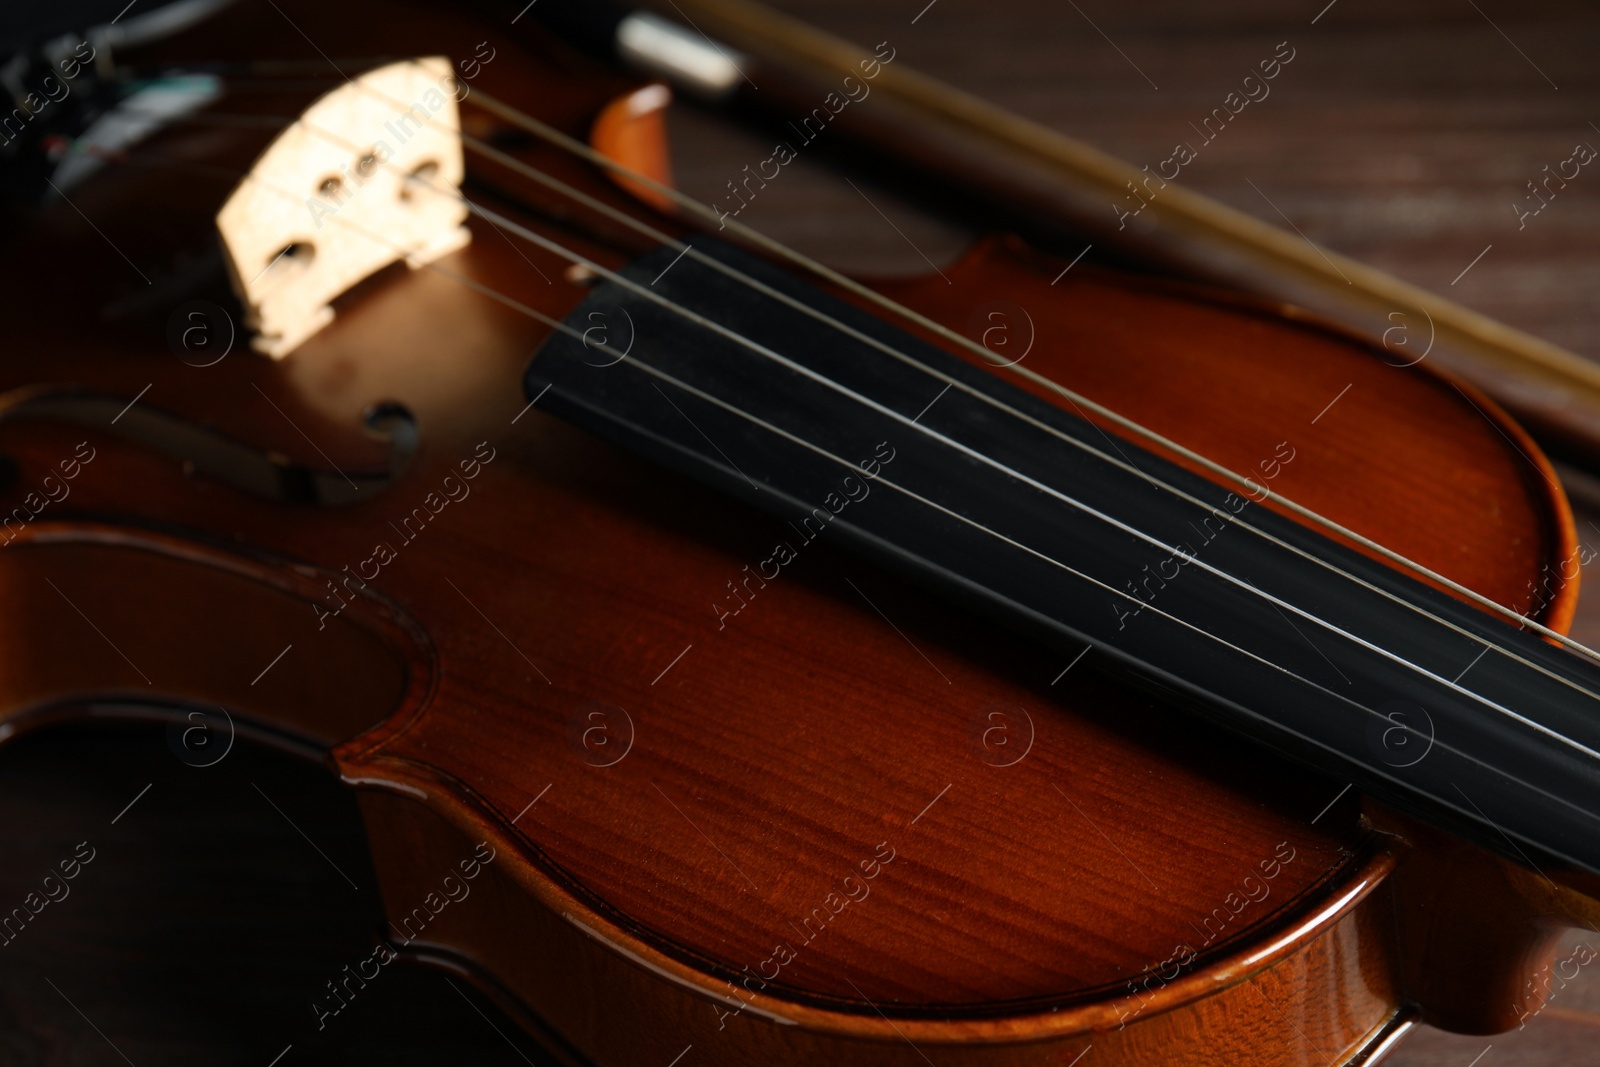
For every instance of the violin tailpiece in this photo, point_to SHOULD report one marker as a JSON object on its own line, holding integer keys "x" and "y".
{"x": 368, "y": 175}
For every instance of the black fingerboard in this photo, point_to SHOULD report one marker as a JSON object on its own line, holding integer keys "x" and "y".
{"x": 995, "y": 509}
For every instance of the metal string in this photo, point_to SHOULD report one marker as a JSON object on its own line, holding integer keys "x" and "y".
{"x": 704, "y": 211}
{"x": 588, "y": 153}
{"x": 1121, "y": 462}
{"x": 884, "y": 480}
{"x": 699, "y": 320}
{"x": 502, "y": 222}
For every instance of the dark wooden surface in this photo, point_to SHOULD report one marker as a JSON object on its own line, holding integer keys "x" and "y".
{"x": 1402, "y": 138}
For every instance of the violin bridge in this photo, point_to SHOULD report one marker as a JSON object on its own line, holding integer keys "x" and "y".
{"x": 369, "y": 175}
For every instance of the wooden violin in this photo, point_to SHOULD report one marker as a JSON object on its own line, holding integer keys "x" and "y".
{"x": 734, "y": 661}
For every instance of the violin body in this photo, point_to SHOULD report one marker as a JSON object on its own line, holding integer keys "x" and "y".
{"x": 659, "y": 773}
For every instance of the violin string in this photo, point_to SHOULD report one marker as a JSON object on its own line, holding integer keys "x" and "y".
{"x": 503, "y": 223}
{"x": 710, "y": 214}
{"x": 506, "y": 224}
{"x": 1121, "y": 463}
{"x": 983, "y": 458}
{"x": 557, "y": 249}
{"x": 588, "y": 153}
{"x": 1078, "y": 401}
{"x": 1052, "y": 561}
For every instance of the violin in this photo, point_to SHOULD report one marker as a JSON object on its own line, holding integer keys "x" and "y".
{"x": 732, "y": 660}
